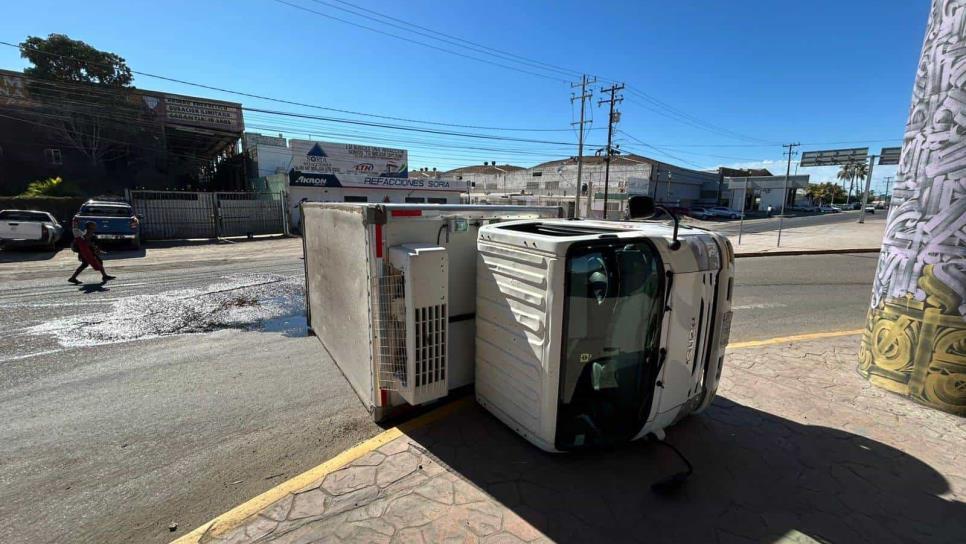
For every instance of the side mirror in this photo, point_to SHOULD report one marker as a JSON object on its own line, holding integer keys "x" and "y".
{"x": 643, "y": 207}
{"x": 640, "y": 207}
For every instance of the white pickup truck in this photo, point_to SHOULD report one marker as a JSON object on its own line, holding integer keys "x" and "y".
{"x": 28, "y": 228}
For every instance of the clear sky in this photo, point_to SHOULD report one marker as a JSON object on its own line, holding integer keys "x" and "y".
{"x": 709, "y": 82}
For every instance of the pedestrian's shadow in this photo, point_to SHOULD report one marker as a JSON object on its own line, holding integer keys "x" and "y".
{"x": 89, "y": 288}
{"x": 758, "y": 478}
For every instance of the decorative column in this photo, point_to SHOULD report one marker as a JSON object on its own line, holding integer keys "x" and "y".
{"x": 915, "y": 337}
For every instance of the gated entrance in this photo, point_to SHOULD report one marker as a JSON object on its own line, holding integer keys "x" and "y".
{"x": 167, "y": 215}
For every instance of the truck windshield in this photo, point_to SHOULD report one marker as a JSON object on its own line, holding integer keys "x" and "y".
{"x": 106, "y": 211}
{"x": 612, "y": 322}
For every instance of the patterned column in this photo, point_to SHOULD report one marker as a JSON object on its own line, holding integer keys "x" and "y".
{"x": 915, "y": 338}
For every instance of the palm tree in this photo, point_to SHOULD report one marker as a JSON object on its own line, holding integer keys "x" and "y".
{"x": 846, "y": 173}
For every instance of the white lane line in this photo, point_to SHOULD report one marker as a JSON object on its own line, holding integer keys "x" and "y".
{"x": 759, "y": 306}
{"x": 29, "y": 355}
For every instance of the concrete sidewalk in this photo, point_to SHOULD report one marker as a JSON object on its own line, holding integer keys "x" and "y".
{"x": 836, "y": 237}
{"x": 796, "y": 448}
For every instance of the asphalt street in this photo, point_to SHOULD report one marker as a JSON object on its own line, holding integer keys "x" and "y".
{"x": 181, "y": 390}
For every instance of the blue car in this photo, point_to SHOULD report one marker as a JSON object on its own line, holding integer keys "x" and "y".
{"x": 116, "y": 221}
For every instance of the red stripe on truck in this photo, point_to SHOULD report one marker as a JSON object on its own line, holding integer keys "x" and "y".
{"x": 379, "y": 241}
{"x": 407, "y": 213}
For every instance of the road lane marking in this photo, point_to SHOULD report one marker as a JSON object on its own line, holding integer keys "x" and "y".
{"x": 237, "y": 515}
{"x": 795, "y": 338}
{"x": 759, "y": 306}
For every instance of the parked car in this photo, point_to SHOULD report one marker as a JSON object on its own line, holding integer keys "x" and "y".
{"x": 116, "y": 221}
{"x": 29, "y": 228}
{"x": 870, "y": 209}
{"x": 699, "y": 213}
{"x": 828, "y": 209}
{"x": 721, "y": 211}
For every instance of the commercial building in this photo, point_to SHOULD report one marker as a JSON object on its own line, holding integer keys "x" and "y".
{"x": 315, "y": 171}
{"x": 555, "y": 183}
{"x": 761, "y": 192}
{"x": 108, "y": 139}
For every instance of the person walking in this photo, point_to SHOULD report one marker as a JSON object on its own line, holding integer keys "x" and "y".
{"x": 88, "y": 254}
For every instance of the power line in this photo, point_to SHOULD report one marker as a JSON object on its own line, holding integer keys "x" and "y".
{"x": 452, "y": 40}
{"x": 292, "y": 102}
{"x": 424, "y": 44}
{"x": 507, "y": 53}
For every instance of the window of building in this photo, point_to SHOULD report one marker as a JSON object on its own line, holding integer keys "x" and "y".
{"x": 356, "y": 199}
{"x": 53, "y": 157}
{"x": 533, "y": 185}
{"x": 415, "y": 200}
{"x": 536, "y": 174}
{"x": 436, "y": 200}
{"x": 551, "y": 185}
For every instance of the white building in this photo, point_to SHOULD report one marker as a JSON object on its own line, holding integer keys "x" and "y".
{"x": 555, "y": 183}
{"x": 760, "y": 192}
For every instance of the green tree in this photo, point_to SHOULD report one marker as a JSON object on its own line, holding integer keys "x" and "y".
{"x": 51, "y": 187}
{"x": 60, "y": 58}
{"x": 826, "y": 193}
{"x": 83, "y": 94}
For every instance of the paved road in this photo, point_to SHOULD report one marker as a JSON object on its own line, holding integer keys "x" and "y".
{"x": 128, "y": 407}
{"x": 111, "y": 442}
{"x": 781, "y": 296}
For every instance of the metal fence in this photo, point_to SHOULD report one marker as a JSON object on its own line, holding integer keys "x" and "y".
{"x": 168, "y": 215}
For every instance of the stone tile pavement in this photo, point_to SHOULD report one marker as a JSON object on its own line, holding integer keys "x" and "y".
{"x": 797, "y": 448}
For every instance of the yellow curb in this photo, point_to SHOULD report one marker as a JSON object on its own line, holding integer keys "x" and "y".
{"x": 796, "y": 338}
{"x": 237, "y": 515}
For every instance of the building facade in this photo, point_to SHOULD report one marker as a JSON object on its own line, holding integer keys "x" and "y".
{"x": 555, "y": 183}
{"x": 108, "y": 139}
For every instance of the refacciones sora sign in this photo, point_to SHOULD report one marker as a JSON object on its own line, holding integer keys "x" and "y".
{"x": 333, "y": 158}
{"x": 312, "y": 179}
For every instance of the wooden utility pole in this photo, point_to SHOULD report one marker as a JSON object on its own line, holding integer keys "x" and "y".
{"x": 612, "y": 119}
{"x": 584, "y": 95}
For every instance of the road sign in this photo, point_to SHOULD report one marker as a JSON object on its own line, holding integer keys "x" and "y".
{"x": 834, "y": 156}
{"x": 889, "y": 155}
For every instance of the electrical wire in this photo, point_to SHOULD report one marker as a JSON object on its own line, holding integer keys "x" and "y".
{"x": 292, "y": 102}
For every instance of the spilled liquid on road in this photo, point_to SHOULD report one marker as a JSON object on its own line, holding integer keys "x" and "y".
{"x": 243, "y": 301}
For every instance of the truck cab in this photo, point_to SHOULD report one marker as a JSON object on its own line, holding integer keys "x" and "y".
{"x": 116, "y": 221}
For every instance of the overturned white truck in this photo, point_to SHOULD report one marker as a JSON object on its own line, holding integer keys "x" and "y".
{"x": 575, "y": 333}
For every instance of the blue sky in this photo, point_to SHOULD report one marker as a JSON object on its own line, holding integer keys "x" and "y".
{"x": 746, "y": 75}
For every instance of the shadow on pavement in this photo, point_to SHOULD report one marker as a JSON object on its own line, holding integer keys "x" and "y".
{"x": 758, "y": 478}
{"x": 89, "y": 288}
{"x": 114, "y": 254}
{"x": 25, "y": 254}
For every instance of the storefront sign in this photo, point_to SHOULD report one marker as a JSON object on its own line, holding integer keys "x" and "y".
{"x": 181, "y": 110}
{"x": 335, "y": 158}
{"x": 312, "y": 179}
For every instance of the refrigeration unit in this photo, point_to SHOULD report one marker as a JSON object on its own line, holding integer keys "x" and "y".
{"x": 593, "y": 333}
{"x": 391, "y": 294}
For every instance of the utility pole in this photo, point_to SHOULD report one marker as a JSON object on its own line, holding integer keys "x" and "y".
{"x": 868, "y": 185}
{"x": 611, "y": 120}
{"x": 788, "y": 170}
{"x": 584, "y": 95}
{"x": 887, "y": 196}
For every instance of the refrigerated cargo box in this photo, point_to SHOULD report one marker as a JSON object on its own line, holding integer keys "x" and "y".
{"x": 391, "y": 293}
